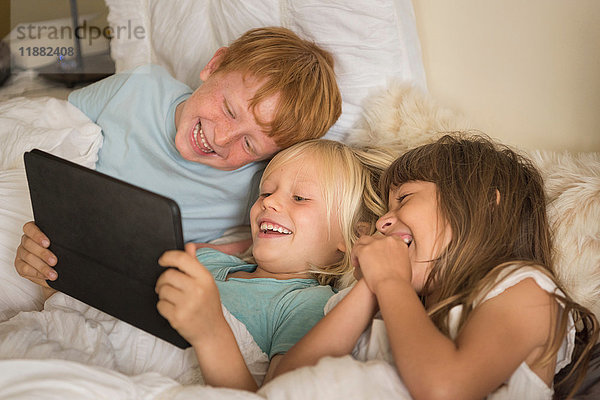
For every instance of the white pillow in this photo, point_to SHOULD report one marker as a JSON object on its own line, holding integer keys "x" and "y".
{"x": 370, "y": 40}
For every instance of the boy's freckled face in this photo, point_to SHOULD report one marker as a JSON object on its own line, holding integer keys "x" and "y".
{"x": 216, "y": 126}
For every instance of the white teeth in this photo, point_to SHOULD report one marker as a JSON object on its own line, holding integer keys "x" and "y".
{"x": 205, "y": 147}
{"x": 269, "y": 227}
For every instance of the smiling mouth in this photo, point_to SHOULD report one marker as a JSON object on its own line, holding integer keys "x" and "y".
{"x": 271, "y": 228}
{"x": 200, "y": 139}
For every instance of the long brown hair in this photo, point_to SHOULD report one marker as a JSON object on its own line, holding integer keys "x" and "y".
{"x": 494, "y": 202}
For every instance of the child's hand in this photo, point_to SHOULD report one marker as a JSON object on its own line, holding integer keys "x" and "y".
{"x": 188, "y": 296}
{"x": 380, "y": 258}
{"x": 34, "y": 261}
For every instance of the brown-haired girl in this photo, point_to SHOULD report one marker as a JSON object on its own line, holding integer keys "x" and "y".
{"x": 461, "y": 270}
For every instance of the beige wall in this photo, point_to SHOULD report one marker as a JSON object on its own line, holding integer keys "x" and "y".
{"x": 524, "y": 71}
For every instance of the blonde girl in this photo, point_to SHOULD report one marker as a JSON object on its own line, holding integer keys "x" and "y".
{"x": 315, "y": 198}
{"x": 461, "y": 270}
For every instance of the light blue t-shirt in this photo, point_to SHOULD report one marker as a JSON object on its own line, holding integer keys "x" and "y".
{"x": 136, "y": 111}
{"x": 277, "y": 313}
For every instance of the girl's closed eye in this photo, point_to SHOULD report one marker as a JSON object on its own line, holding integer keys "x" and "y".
{"x": 400, "y": 198}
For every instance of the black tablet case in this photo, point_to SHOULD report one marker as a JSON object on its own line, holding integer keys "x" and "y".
{"x": 107, "y": 235}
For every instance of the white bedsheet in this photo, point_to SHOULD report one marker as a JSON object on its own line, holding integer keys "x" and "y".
{"x": 48, "y": 124}
{"x": 68, "y": 329}
{"x": 71, "y": 350}
{"x": 332, "y": 378}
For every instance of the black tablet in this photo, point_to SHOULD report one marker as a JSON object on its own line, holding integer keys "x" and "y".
{"x": 108, "y": 236}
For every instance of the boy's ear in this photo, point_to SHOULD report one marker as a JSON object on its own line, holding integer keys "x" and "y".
{"x": 213, "y": 64}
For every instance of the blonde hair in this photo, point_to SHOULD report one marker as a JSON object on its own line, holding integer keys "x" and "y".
{"x": 349, "y": 181}
{"x": 488, "y": 235}
{"x": 297, "y": 70}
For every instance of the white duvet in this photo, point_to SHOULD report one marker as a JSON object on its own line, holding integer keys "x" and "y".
{"x": 48, "y": 124}
{"x": 70, "y": 350}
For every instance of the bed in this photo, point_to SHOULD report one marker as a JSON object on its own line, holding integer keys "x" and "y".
{"x": 385, "y": 101}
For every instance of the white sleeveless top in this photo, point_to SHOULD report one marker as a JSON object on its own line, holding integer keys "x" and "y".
{"x": 522, "y": 384}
